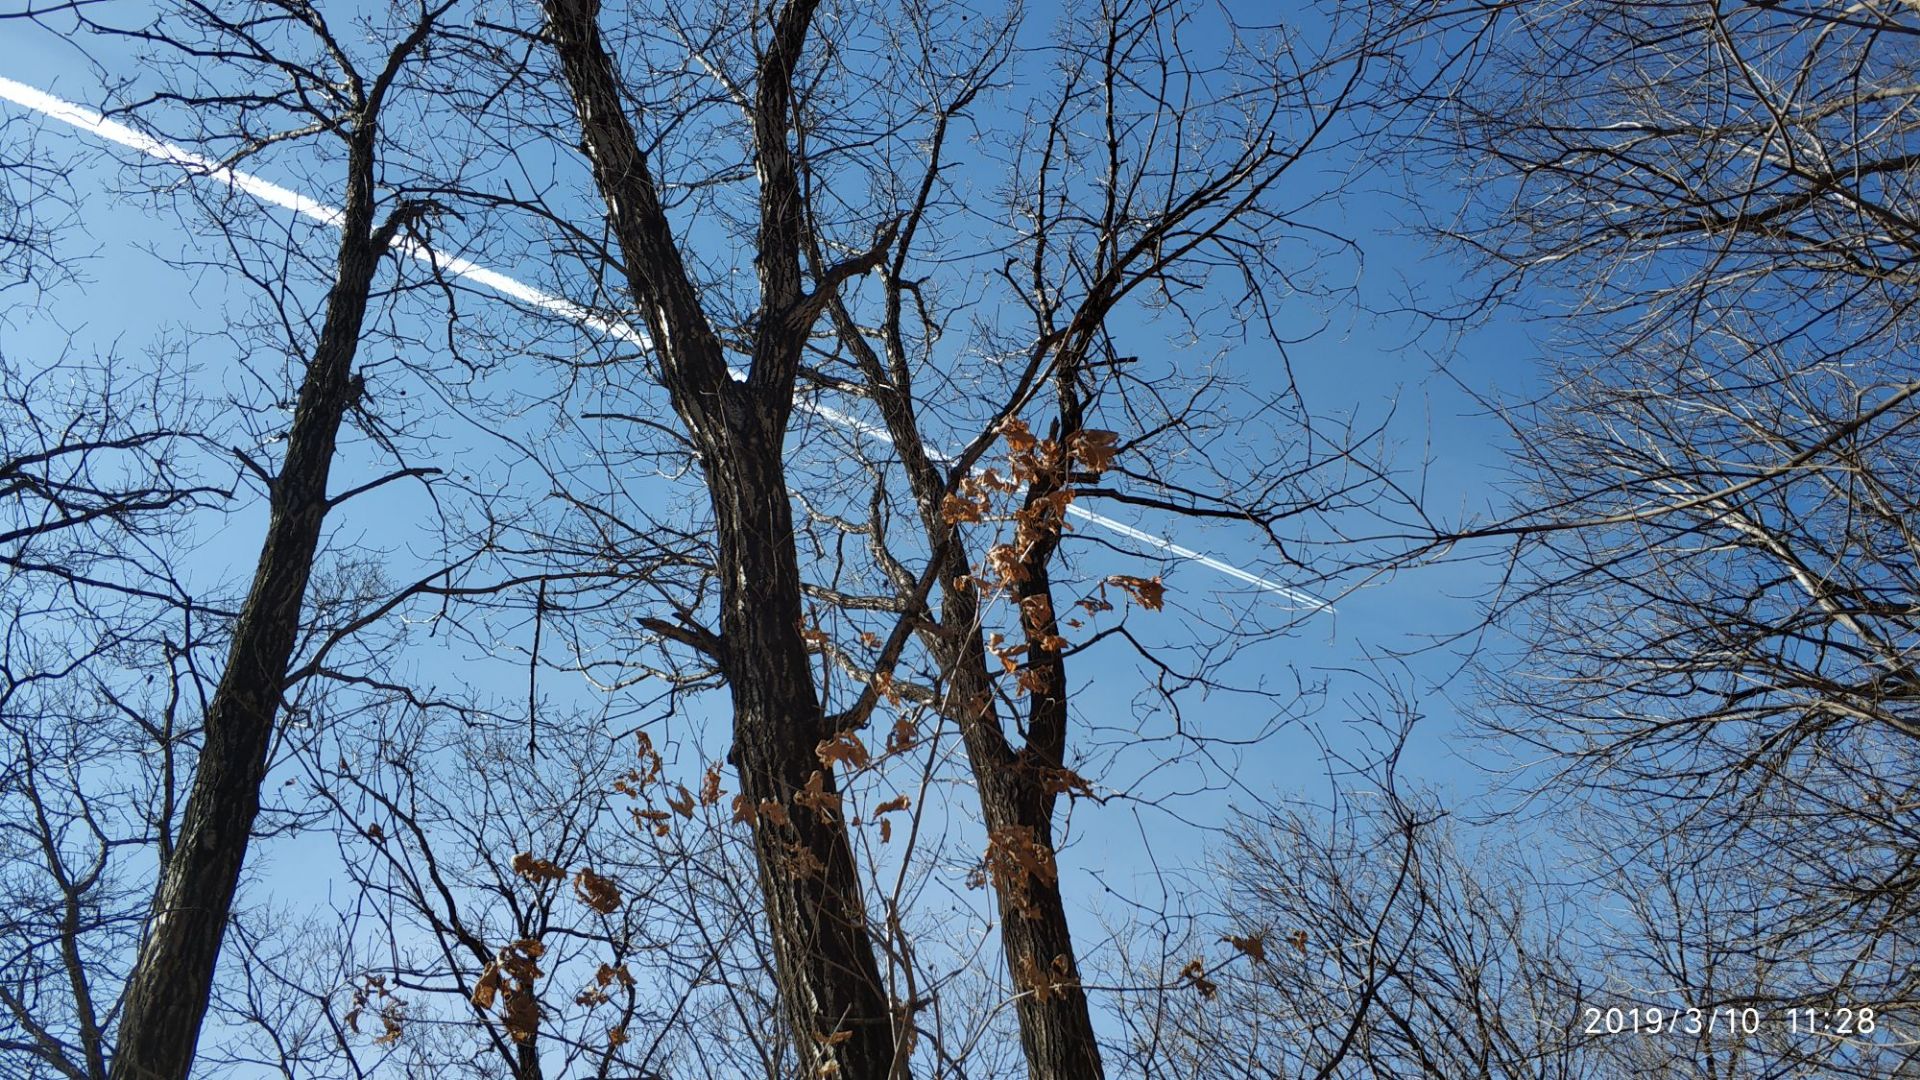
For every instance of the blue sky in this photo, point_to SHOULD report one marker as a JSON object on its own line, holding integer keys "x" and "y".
{"x": 1359, "y": 365}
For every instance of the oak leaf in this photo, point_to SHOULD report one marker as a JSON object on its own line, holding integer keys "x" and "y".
{"x": 1094, "y": 449}
{"x": 538, "y": 871}
{"x": 1149, "y": 593}
{"x": 815, "y": 797}
{"x": 597, "y": 892}
{"x": 1014, "y": 430}
{"x": 684, "y": 804}
{"x": 1253, "y": 945}
{"x": 844, "y": 746}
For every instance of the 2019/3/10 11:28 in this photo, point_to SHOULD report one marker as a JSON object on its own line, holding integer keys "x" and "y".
{"x": 1653, "y": 1020}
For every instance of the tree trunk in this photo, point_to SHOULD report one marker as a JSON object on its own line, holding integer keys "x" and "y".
{"x": 168, "y": 990}
{"x": 828, "y": 976}
{"x": 1056, "y": 1025}
{"x": 826, "y": 970}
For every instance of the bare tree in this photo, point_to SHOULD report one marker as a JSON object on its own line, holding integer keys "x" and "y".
{"x": 168, "y": 987}
{"x": 835, "y": 999}
{"x": 1364, "y": 939}
{"x": 34, "y": 202}
{"x": 99, "y": 482}
{"x": 591, "y": 929}
{"x": 1113, "y": 220}
{"x": 1378, "y": 934}
{"x": 1113, "y": 229}
{"x": 1717, "y": 565}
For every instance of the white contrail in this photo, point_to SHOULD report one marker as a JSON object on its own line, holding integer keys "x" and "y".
{"x": 199, "y": 165}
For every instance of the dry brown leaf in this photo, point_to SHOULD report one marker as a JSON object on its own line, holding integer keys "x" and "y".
{"x": 1149, "y": 593}
{"x": 684, "y": 804}
{"x": 1048, "y": 982}
{"x": 845, "y": 747}
{"x": 805, "y": 863}
{"x": 649, "y": 760}
{"x": 488, "y": 987}
{"x": 1037, "y": 611}
{"x": 520, "y": 1012}
{"x": 1094, "y": 449}
{"x": 538, "y": 871}
{"x": 904, "y": 736}
{"x": 1029, "y": 681}
{"x": 598, "y": 893}
{"x": 508, "y": 982}
{"x": 1253, "y": 945}
{"x": 1064, "y": 781}
{"x": 1004, "y": 566}
{"x": 883, "y": 685}
{"x": 1017, "y": 860}
{"x": 608, "y": 974}
{"x": 815, "y": 797}
{"x": 957, "y": 509}
{"x": 1195, "y": 974}
{"x": 390, "y": 1014}
{"x": 1019, "y": 439}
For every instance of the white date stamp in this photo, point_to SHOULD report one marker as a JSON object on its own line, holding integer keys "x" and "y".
{"x": 1842, "y": 1021}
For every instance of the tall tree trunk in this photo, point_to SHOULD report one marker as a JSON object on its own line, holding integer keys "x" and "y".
{"x": 1016, "y": 785}
{"x": 167, "y": 993}
{"x": 1016, "y": 801}
{"x": 828, "y": 975}
{"x": 826, "y": 970}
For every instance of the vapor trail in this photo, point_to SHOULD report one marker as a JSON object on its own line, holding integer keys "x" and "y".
{"x": 203, "y": 167}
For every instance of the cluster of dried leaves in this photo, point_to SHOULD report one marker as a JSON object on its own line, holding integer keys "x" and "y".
{"x": 1044, "y": 469}
{"x": 1047, "y": 982}
{"x": 848, "y": 751}
{"x": 1195, "y": 975}
{"x": 508, "y": 982}
{"x": 1016, "y": 859}
{"x": 640, "y": 784}
{"x": 390, "y": 1009}
{"x": 607, "y": 977}
{"x": 1040, "y": 467}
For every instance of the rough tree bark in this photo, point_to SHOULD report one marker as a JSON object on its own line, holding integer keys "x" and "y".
{"x": 828, "y": 977}
{"x": 1017, "y": 796}
{"x": 1018, "y": 785}
{"x": 167, "y": 992}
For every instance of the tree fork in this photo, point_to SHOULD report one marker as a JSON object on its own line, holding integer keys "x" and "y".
{"x": 1056, "y": 1025}
{"x": 829, "y": 979}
